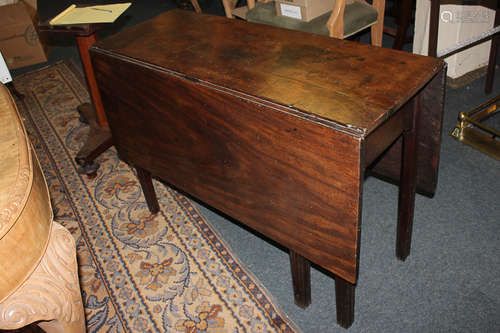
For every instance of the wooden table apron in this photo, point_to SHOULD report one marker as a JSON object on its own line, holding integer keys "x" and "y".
{"x": 291, "y": 174}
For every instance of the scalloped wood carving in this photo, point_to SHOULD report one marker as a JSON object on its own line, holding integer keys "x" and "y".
{"x": 16, "y": 162}
{"x": 52, "y": 292}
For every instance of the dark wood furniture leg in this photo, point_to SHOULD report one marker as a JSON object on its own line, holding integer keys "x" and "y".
{"x": 493, "y": 57}
{"x": 404, "y": 17}
{"x": 148, "y": 189}
{"x": 407, "y": 187}
{"x": 344, "y": 299}
{"x": 301, "y": 279}
{"x": 433, "y": 28}
{"x": 99, "y": 139}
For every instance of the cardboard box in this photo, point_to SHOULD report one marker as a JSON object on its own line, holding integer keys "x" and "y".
{"x": 19, "y": 41}
{"x": 304, "y": 10}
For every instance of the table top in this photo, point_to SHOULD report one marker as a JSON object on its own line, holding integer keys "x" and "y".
{"x": 352, "y": 85}
{"x": 74, "y": 29}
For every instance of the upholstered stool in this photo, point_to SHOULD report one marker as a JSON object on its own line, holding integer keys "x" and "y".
{"x": 357, "y": 16}
{"x": 346, "y": 18}
{"x": 38, "y": 268}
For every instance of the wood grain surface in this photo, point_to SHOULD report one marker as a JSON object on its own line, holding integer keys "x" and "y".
{"x": 352, "y": 84}
{"x": 272, "y": 127}
{"x": 268, "y": 169}
{"x": 25, "y": 211}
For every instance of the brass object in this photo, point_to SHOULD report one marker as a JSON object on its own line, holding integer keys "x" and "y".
{"x": 472, "y": 130}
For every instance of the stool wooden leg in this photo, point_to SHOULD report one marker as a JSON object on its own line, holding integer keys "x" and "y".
{"x": 377, "y": 30}
{"x": 51, "y": 295}
{"x": 148, "y": 190}
{"x": 301, "y": 279}
{"x": 407, "y": 187}
{"x": 344, "y": 298}
{"x": 196, "y": 6}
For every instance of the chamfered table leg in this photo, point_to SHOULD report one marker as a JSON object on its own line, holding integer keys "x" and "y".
{"x": 148, "y": 189}
{"x": 301, "y": 279}
{"x": 344, "y": 299}
{"x": 407, "y": 187}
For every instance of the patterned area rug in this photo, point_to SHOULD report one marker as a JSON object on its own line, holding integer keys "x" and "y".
{"x": 139, "y": 273}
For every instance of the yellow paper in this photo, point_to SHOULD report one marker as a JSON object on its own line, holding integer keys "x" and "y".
{"x": 91, "y": 14}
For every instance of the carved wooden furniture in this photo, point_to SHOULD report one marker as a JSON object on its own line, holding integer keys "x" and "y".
{"x": 38, "y": 269}
{"x": 99, "y": 138}
{"x": 346, "y": 18}
{"x": 275, "y": 128}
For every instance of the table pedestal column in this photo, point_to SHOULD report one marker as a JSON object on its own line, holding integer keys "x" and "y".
{"x": 99, "y": 138}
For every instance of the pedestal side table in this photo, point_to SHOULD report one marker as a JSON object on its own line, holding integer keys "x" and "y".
{"x": 99, "y": 138}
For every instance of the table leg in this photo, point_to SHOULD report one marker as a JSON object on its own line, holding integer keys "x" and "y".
{"x": 344, "y": 299}
{"x": 148, "y": 189}
{"x": 407, "y": 187}
{"x": 301, "y": 279}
